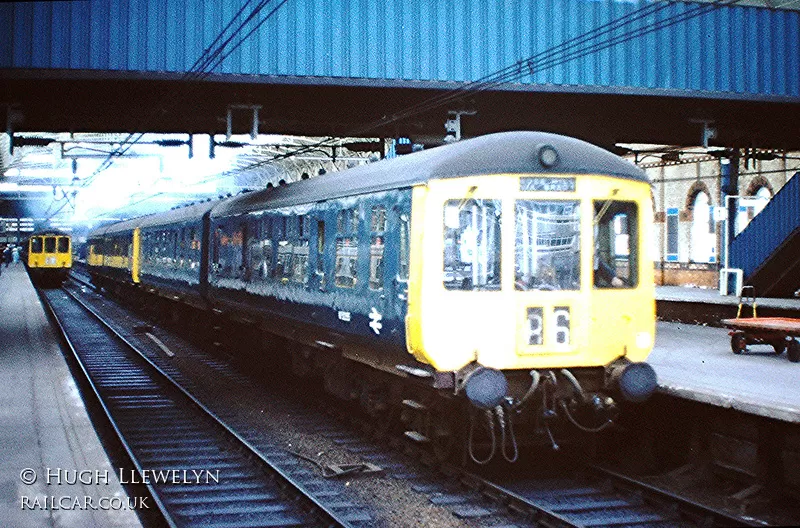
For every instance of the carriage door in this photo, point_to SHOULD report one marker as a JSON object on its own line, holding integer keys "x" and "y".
{"x": 615, "y": 275}
{"x": 318, "y": 279}
{"x": 376, "y": 286}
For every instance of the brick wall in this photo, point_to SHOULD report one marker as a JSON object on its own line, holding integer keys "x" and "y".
{"x": 687, "y": 274}
{"x": 675, "y": 185}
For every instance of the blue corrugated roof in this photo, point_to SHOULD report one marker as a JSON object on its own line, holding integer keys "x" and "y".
{"x": 749, "y": 51}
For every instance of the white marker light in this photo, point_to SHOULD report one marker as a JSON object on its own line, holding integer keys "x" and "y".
{"x": 644, "y": 340}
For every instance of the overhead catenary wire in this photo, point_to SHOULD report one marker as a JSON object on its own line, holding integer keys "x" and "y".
{"x": 571, "y": 49}
{"x": 195, "y": 72}
{"x": 499, "y": 76}
{"x": 211, "y": 57}
{"x": 222, "y": 56}
{"x": 548, "y": 59}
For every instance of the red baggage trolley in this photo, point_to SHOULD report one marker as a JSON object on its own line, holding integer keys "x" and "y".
{"x": 779, "y": 332}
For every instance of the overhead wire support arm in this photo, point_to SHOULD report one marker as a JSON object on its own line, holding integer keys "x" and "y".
{"x": 229, "y": 119}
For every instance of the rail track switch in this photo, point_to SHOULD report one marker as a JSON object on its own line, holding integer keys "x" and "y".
{"x": 342, "y": 470}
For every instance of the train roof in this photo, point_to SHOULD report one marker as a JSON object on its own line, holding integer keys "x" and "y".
{"x": 173, "y": 216}
{"x": 49, "y": 232}
{"x": 177, "y": 216}
{"x": 501, "y": 153}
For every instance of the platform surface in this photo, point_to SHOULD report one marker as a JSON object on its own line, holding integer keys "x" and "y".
{"x": 44, "y": 426}
{"x": 709, "y": 296}
{"x": 696, "y": 362}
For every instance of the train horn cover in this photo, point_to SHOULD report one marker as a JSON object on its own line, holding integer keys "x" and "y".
{"x": 486, "y": 388}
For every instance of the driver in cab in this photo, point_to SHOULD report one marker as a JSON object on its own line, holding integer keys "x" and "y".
{"x": 604, "y": 275}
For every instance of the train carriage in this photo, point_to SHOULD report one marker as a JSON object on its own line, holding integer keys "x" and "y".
{"x": 110, "y": 253}
{"x": 173, "y": 259}
{"x": 515, "y": 256}
{"x": 500, "y": 280}
{"x": 164, "y": 254}
{"x": 48, "y": 257}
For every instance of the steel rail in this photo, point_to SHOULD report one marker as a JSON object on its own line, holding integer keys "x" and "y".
{"x": 574, "y": 502}
{"x": 705, "y": 515}
{"x": 321, "y": 514}
{"x": 663, "y": 506}
{"x": 102, "y": 403}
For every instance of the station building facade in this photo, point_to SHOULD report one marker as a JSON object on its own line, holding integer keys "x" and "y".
{"x": 690, "y": 209}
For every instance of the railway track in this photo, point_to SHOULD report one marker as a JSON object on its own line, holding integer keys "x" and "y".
{"x": 200, "y": 472}
{"x": 586, "y": 496}
{"x": 575, "y": 494}
{"x": 594, "y": 496}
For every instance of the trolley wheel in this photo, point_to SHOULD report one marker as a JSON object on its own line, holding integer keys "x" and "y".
{"x": 738, "y": 342}
{"x": 794, "y": 351}
{"x": 779, "y": 345}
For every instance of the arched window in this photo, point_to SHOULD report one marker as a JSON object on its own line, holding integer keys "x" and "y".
{"x": 762, "y": 196}
{"x": 704, "y": 241}
{"x": 749, "y": 207}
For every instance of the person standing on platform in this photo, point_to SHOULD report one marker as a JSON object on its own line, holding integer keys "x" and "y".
{"x": 15, "y": 254}
{"x": 7, "y": 255}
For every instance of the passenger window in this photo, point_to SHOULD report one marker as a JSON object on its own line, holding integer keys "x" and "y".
{"x": 615, "y": 242}
{"x": 376, "y": 263}
{"x": 283, "y": 268}
{"x": 347, "y": 222}
{"x": 267, "y": 250}
{"x": 376, "y": 247}
{"x": 300, "y": 250}
{"x": 36, "y": 244}
{"x": 257, "y": 265}
{"x": 472, "y": 244}
{"x": 320, "y": 246}
{"x": 242, "y": 271}
{"x": 146, "y": 248}
{"x": 402, "y": 269}
{"x": 182, "y": 244}
{"x": 49, "y": 244}
{"x": 175, "y": 247}
{"x": 261, "y": 259}
{"x": 300, "y": 262}
{"x": 378, "y": 219}
{"x": 320, "y": 271}
{"x": 346, "y": 263}
{"x": 215, "y": 256}
{"x": 63, "y": 245}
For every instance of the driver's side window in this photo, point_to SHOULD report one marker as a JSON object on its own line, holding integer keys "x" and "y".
{"x": 615, "y": 242}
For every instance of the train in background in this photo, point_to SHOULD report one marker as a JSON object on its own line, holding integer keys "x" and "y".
{"x": 48, "y": 257}
{"x": 490, "y": 292}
